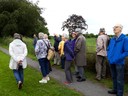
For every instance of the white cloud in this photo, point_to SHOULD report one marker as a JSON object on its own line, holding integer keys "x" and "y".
{"x": 98, "y": 13}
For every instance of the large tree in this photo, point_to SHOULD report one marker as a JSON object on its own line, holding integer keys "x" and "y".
{"x": 74, "y": 22}
{"x": 21, "y": 16}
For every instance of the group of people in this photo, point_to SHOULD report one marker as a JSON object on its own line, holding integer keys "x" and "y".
{"x": 67, "y": 51}
{"x": 115, "y": 50}
{"x": 73, "y": 50}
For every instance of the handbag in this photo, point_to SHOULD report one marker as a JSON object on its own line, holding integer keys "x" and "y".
{"x": 50, "y": 52}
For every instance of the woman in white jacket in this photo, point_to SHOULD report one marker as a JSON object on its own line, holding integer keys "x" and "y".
{"x": 18, "y": 53}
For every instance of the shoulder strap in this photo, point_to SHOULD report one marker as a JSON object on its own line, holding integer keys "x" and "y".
{"x": 45, "y": 44}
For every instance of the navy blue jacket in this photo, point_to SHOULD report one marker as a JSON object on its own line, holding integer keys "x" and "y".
{"x": 68, "y": 50}
{"x": 56, "y": 43}
{"x": 118, "y": 50}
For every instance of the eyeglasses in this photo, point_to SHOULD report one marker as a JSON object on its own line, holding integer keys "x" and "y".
{"x": 115, "y": 27}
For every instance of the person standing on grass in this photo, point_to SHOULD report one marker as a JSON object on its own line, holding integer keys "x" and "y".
{"x": 117, "y": 52}
{"x": 18, "y": 53}
{"x": 41, "y": 54}
{"x": 80, "y": 54}
{"x": 61, "y": 51}
{"x": 57, "y": 40}
{"x": 101, "y": 53}
{"x": 69, "y": 56}
{"x": 34, "y": 40}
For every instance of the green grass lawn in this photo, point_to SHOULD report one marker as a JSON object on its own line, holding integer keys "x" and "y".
{"x": 31, "y": 87}
{"x": 91, "y": 45}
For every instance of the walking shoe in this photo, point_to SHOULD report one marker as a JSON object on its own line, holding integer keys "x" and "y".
{"x": 48, "y": 78}
{"x": 67, "y": 83}
{"x": 79, "y": 77}
{"x": 43, "y": 81}
{"x": 97, "y": 79}
{"x": 112, "y": 92}
{"x": 19, "y": 85}
{"x": 81, "y": 80}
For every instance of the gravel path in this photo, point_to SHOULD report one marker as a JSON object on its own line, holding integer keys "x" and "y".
{"x": 88, "y": 88}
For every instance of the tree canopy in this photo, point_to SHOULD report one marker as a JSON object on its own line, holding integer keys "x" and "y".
{"x": 73, "y": 22}
{"x": 21, "y": 16}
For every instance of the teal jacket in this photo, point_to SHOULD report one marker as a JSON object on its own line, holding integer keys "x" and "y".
{"x": 118, "y": 50}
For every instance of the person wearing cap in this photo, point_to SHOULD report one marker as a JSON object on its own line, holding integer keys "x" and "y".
{"x": 101, "y": 53}
{"x": 18, "y": 52}
{"x": 116, "y": 53}
{"x": 80, "y": 54}
{"x": 41, "y": 54}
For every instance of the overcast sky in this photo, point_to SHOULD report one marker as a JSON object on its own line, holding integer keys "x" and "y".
{"x": 97, "y": 13}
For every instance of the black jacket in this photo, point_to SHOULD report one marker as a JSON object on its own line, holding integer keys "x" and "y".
{"x": 56, "y": 42}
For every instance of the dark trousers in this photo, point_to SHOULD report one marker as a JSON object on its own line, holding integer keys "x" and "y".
{"x": 100, "y": 66}
{"x": 117, "y": 72}
{"x": 44, "y": 66}
{"x": 49, "y": 65}
{"x": 81, "y": 72}
{"x": 62, "y": 62}
{"x": 68, "y": 71}
{"x": 18, "y": 73}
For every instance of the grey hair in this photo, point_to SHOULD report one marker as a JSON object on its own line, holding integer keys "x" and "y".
{"x": 17, "y": 36}
{"x": 119, "y": 25}
{"x": 41, "y": 35}
{"x": 65, "y": 35}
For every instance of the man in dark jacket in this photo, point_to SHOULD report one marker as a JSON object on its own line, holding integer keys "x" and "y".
{"x": 80, "y": 54}
{"x": 57, "y": 40}
{"x": 117, "y": 51}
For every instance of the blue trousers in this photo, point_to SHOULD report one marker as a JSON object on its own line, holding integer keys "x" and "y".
{"x": 117, "y": 72}
{"x": 18, "y": 73}
{"x": 44, "y": 66}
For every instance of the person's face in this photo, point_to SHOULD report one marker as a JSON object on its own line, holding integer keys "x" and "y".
{"x": 34, "y": 35}
{"x": 73, "y": 35}
{"x": 117, "y": 29}
{"x": 63, "y": 38}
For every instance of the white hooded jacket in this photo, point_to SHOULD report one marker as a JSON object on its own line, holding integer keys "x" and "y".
{"x": 17, "y": 51}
